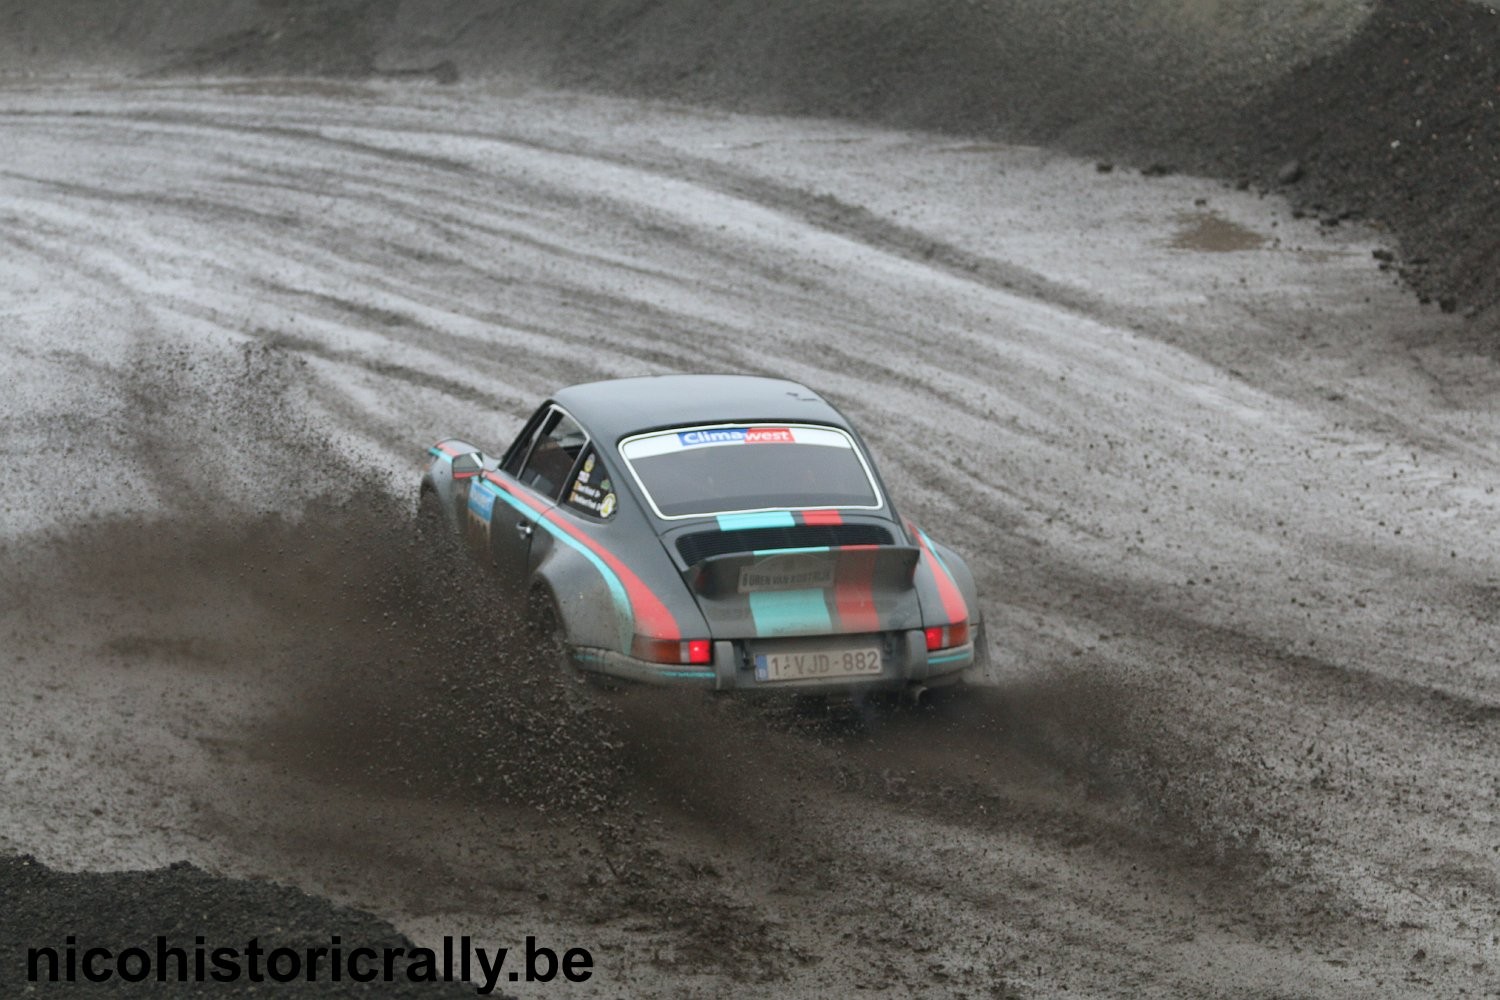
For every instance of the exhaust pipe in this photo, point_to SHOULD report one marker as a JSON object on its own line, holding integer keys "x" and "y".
{"x": 915, "y": 695}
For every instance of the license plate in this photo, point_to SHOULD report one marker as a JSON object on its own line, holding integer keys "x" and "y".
{"x": 817, "y": 664}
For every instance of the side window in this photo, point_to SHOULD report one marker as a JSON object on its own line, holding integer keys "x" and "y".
{"x": 591, "y": 492}
{"x": 521, "y": 447}
{"x": 552, "y": 457}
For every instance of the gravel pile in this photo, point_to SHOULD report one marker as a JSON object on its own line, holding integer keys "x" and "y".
{"x": 1400, "y": 126}
{"x": 44, "y": 908}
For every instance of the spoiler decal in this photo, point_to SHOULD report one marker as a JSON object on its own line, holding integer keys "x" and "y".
{"x": 853, "y": 591}
{"x": 809, "y": 590}
{"x": 790, "y": 612}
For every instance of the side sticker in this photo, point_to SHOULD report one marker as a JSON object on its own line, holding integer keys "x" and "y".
{"x": 481, "y": 512}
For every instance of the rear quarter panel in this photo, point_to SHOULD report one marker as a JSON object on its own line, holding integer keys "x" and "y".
{"x": 610, "y": 580}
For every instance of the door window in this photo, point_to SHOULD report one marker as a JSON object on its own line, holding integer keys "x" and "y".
{"x": 552, "y": 457}
{"x": 521, "y": 447}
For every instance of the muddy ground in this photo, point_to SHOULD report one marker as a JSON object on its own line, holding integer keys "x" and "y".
{"x": 1382, "y": 110}
{"x": 1227, "y": 485}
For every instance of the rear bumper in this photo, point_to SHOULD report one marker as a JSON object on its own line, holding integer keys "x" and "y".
{"x": 906, "y": 662}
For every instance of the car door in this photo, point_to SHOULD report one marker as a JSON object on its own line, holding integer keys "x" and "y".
{"x": 474, "y": 501}
{"x": 537, "y": 476}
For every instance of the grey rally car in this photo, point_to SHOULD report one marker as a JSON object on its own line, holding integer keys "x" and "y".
{"x": 723, "y": 531}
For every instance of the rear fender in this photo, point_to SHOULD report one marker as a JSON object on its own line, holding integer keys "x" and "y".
{"x": 607, "y": 589}
{"x": 589, "y": 613}
{"x": 962, "y": 576}
{"x": 978, "y": 635}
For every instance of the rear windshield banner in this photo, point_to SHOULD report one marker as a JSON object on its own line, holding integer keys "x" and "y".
{"x": 708, "y": 437}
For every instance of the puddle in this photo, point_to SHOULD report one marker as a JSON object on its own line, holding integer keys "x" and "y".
{"x": 1210, "y": 233}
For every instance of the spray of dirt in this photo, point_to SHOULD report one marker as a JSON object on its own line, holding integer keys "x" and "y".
{"x": 277, "y": 552}
{"x": 391, "y": 675}
{"x": 396, "y": 672}
{"x": 381, "y": 667}
{"x": 386, "y": 670}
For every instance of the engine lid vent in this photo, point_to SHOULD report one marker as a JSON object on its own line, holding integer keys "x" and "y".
{"x": 701, "y": 545}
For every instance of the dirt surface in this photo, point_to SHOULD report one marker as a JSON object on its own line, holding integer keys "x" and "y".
{"x": 1228, "y": 490}
{"x": 1380, "y": 109}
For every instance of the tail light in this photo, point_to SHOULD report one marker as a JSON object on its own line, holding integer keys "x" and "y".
{"x": 944, "y": 636}
{"x": 693, "y": 651}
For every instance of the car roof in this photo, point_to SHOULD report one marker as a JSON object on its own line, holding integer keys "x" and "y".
{"x": 618, "y": 407}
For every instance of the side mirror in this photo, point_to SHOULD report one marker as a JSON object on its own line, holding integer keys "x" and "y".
{"x": 468, "y": 466}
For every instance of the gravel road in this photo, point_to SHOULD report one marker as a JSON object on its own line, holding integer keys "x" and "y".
{"x": 1229, "y": 492}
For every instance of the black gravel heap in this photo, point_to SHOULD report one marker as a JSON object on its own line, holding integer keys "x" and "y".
{"x": 40, "y": 907}
{"x": 1399, "y": 126}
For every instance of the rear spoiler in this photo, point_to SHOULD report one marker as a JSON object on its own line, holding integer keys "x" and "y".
{"x": 868, "y": 567}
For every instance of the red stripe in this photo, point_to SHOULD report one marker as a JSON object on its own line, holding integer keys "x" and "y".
{"x": 954, "y": 605}
{"x": 447, "y": 449}
{"x": 853, "y": 591}
{"x": 822, "y": 517}
{"x": 652, "y": 619}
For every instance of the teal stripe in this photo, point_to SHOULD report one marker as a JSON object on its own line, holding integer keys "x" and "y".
{"x": 440, "y": 454}
{"x": 950, "y": 657}
{"x": 783, "y": 612}
{"x": 782, "y": 552}
{"x": 766, "y": 519}
{"x": 588, "y": 656}
{"x": 616, "y": 588}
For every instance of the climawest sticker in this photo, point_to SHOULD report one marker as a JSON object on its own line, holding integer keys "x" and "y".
{"x": 736, "y": 435}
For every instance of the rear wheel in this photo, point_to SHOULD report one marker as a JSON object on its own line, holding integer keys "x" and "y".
{"x": 432, "y": 533}
{"x": 547, "y": 639}
{"x": 551, "y": 653}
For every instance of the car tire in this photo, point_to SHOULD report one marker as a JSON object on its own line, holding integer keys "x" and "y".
{"x": 432, "y": 532}
{"x": 548, "y": 642}
{"x": 546, "y": 636}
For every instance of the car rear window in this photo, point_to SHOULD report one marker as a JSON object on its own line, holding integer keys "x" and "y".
{"x": 735, "y": 468}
